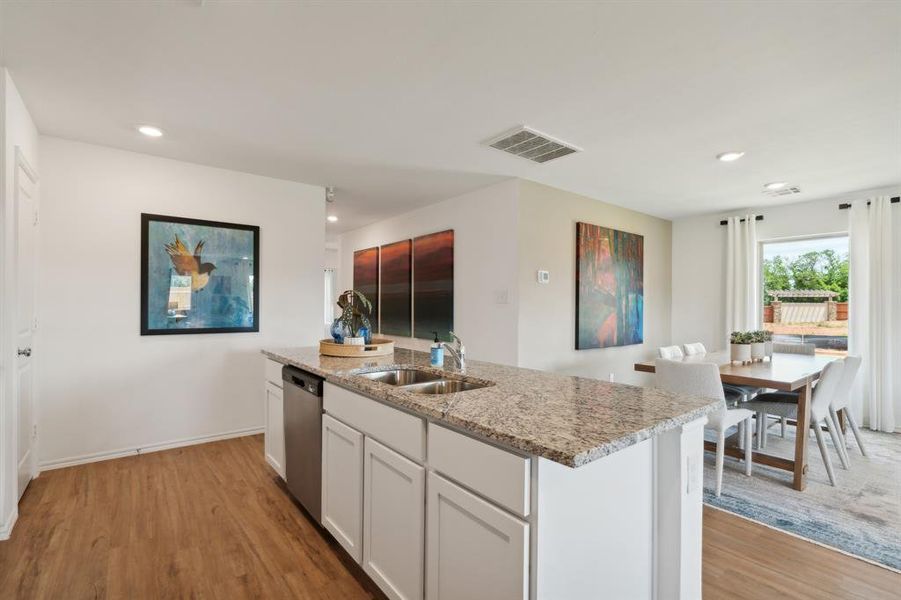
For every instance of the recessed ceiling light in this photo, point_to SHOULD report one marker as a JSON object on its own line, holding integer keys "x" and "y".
{"x": 331, "y": 219}
{"x": 150, "y": 131}
{"x": 776, "y": 185}
{"x": 730, "y": 156}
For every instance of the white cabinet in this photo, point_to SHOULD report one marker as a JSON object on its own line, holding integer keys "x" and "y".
{"x": 393, "y": 521}
{"x": 474, "y": 549}
{"x": 342, "y": 485}
{"x": 274, "y": 434}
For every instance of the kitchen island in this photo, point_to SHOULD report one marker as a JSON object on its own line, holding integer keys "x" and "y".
{"x": 530, "y": 485}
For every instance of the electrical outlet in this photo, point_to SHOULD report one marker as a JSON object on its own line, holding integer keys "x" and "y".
{"x": 544, "y": 277}
{"x": 611, "y": 377}
{"x": 501, "y": 297}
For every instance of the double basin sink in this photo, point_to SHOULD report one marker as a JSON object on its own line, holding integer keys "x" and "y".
{"x": 423, "y": 382}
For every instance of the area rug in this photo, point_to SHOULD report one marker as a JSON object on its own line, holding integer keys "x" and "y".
{"x": 861, "y": 516}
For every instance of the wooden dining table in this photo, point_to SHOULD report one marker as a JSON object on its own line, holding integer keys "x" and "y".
{"x": 783, "y": 372}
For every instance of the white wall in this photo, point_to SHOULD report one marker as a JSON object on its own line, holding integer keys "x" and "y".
{"x": 104, "y": 388}
{"x": 484, "y": 224}
{"x": 547, "y": 241}
{"x": 699, "y": 245}
{"x": 16, "y": 130}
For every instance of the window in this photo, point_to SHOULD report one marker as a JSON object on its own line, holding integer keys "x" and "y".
{"x": 805, "y": 292}
{"x": 329, "y": 307}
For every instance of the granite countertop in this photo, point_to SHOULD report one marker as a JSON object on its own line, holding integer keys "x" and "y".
{"x": 567, "y": 419}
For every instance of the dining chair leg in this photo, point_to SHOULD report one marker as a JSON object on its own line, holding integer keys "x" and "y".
{"x": 837, "y": 441}
{"x": 741, "y": 435}
{"x": 784, "y": 421}
{"x": 856, "y": 432}
{"x": 842, "y": 438}
{"x": 749, "y": 451}
{"x": 821, "y": 442}
{"x": 758, "y": 432}
{"x": 841, "y": 435}
{"x": 762, "y": 419}
{"x": 720, "y": 451}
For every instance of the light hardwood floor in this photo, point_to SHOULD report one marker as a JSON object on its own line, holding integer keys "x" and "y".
{"x": 213, "y": 521}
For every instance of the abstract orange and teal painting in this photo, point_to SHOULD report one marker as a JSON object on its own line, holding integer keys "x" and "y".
{"x": 609, "y": 287}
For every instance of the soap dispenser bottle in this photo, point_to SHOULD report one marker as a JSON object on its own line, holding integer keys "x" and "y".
{"x": 437, "y": 352}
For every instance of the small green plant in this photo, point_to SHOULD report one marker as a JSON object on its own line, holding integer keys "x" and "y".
{"x": 355, "y": 311}
{"x": 740, "y": 337}
{"x": 750, "y": 337}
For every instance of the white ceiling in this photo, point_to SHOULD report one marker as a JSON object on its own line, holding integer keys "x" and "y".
{"x": 389, "y": 102}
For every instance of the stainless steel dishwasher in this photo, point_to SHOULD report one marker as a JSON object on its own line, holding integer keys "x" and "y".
{"x": 303, "y": 438}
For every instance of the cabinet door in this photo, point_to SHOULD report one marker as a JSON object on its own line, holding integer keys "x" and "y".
{"x": 274, "y": 435}
{"x": 393, "y": 521}
{"x": 342, "y": 485}
{"x": 474, "y": 549}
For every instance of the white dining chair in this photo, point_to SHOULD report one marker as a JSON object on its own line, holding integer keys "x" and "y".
{"x": 788, "y": 348}
{"x": 842, "y": 401}
{"x": 783, "y": 348}
{"x": 670, "y": 352}
{"x": 693, "y": 349}
{"x": 703, "y": 379}
{"x": 823, "y": 395}
{"x": 746, "y": 392}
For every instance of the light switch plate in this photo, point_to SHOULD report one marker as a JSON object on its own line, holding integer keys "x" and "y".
{"x": 501, "y": 297}
{"x": 544, "y": 276}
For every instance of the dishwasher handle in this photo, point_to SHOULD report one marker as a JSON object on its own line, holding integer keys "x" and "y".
{"x": 304, "y": 380}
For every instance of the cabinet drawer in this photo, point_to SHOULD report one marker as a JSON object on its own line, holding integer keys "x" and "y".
{"x": 498, "y": 475}
{"x": 394, "y": 428}
{"x": 274, "y": 372}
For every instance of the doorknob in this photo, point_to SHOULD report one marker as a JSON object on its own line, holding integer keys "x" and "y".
{"x": 24, "y": 352}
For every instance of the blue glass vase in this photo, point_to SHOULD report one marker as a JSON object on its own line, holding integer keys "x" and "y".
{"x": 366, "y": 334}
{"x": 338, "y": 331}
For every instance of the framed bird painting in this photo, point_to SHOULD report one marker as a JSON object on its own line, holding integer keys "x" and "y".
{"x": 198, "y": 276}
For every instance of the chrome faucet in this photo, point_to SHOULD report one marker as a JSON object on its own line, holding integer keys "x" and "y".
{"x": 458, "y": 351}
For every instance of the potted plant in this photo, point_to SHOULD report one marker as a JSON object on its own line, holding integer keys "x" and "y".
{"x": 353, "y": 326}
{"x": 758, "y": 345}
{"x": 740, "y": 346}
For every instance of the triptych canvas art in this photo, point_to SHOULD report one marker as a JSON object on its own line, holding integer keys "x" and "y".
{"x": 414, "y": 285}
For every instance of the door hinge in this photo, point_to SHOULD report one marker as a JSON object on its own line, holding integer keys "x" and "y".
{"x": 34, "y": 433}
{"x": 35, "y": 217}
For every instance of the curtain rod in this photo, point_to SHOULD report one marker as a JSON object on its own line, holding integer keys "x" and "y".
{"x": 726, "y": 221}
{"x": 847, "y": 205}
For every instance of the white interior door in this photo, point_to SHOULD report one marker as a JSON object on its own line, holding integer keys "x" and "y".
{"x": 26, "y": 221}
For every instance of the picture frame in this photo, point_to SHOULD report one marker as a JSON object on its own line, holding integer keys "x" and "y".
{"x": 198, "y": 276}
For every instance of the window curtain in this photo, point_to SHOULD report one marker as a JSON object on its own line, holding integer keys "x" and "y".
{"x": 873, "y": 290}
{"x": 742, "y": 277}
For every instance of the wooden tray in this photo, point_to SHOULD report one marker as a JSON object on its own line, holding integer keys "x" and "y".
{"x": 378, "y": 347}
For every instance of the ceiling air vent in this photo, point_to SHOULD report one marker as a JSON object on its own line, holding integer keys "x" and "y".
{"x": 786, "y": 191}
{"x": 533, "y": 145}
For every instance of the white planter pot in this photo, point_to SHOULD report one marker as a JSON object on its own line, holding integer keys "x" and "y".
{"x": 740, "y": 352}
{"x": 758, "y": 350}
{"x": 355, "y": 341}
{"x": 768, "y": 349}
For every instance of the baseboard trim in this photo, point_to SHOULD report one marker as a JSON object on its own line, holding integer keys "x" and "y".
{"x": 62, "y": 463}
{"x": 6, "y": 529}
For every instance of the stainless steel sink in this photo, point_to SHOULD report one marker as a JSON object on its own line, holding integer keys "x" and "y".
{"x": 402, "y": 377}
{"x": 444, "y": 386}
